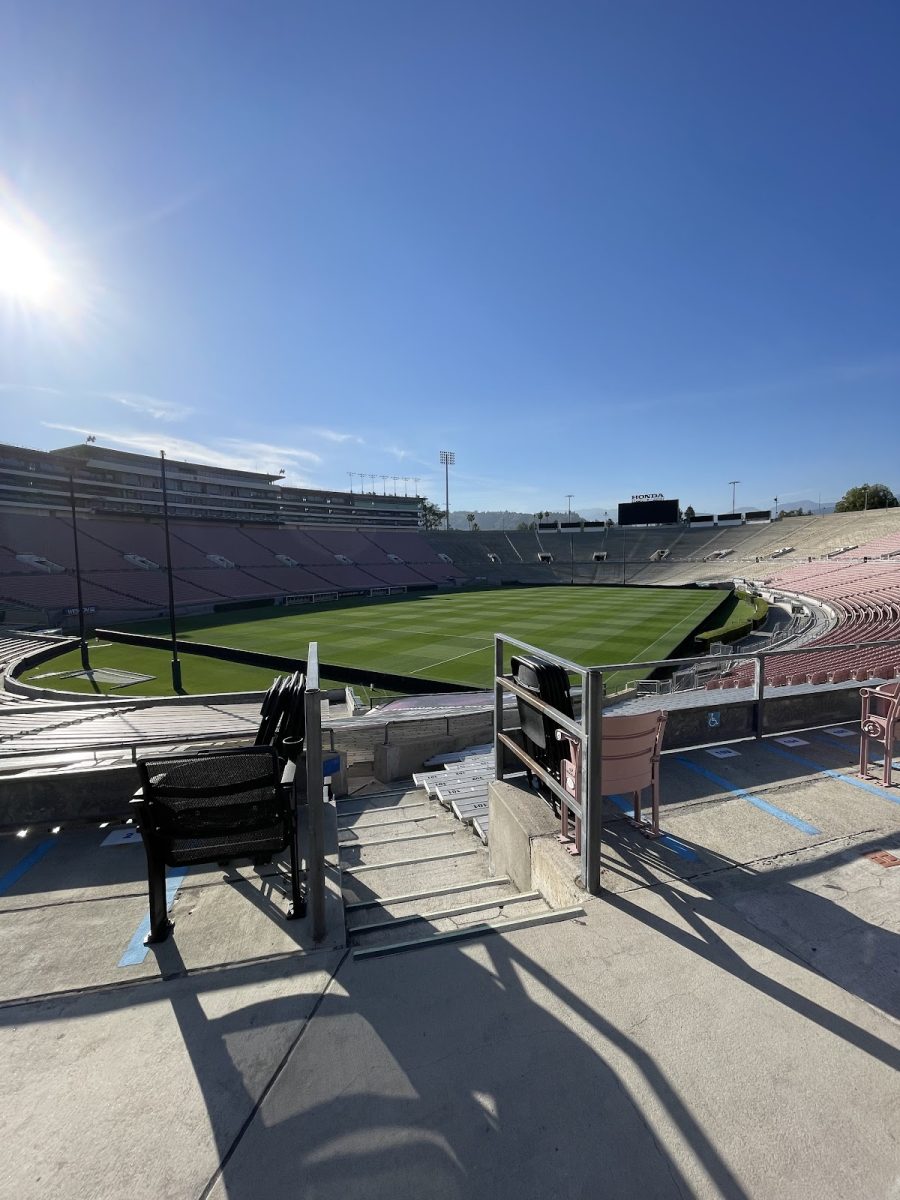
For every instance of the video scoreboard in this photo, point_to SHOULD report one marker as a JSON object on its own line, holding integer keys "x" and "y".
{"x": 649, "y": 509}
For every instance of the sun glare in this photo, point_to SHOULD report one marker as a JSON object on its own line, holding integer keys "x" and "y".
{"x": 27, "y": 274}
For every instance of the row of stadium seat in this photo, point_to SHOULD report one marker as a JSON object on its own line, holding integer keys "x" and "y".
{"x": 210, "y": 562}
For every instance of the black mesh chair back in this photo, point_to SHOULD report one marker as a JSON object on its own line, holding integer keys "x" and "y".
{"x": 269, "y": 712}
{"x": 288, "y": 736}
{"x": 212, "y": 807}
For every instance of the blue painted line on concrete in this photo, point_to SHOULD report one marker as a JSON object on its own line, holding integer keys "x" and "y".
{"x": 136, "y": 951}
{"x": 835, "y": 744}
{"x": 756, "y": 801}
{"x": 665, "y": 839}
{"x": 14, "y": 874}
{"x": 820, "y": 770}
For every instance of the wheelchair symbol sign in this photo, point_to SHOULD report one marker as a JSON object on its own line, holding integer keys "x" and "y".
{"x": 714, "y": 720}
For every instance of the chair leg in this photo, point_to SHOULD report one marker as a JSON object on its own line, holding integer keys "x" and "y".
{"x": 298, "y": 899}
{"x": 160, "y": 925}
{"x": 888, "y": 758}
{"x": 654, "y": 806}
{"x": 864, "y": 754}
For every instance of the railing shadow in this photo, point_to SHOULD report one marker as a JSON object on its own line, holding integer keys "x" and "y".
{"x": 770, "y": 908}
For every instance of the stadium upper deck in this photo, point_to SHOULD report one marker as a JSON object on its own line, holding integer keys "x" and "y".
{"x": 117, "y": 482}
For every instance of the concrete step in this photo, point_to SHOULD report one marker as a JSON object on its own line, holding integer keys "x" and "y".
{"x": 367, "y": 852}
{"x": 376, "y": 801}
{"x": 403, "y": 876}
{"x": 513, "y": 905}
{"x": 381, "y": 824}
{"x": 405, "y": 904}
{"x": 476, "y": 929}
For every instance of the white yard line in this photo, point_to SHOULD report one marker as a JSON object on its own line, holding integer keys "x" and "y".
{"x": 690, "y": 615}
{"x": 440, "y": 663}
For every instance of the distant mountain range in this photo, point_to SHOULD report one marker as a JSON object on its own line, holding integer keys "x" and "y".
{"x": 807, "y": 506}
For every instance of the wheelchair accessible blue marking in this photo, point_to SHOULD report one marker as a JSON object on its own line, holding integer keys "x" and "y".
{"x": 136, "y": 951}
{"x": 665, "y": 839}
{"x": 14, "y": 874}
{"x": 756, "y": 801}
{"x": 862, "y": 784}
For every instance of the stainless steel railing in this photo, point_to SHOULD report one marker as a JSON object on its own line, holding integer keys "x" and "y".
{"x": 588, "y": 731}
{"x": 315, "y": 864}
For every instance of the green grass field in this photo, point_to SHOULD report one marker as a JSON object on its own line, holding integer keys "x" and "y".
{"x": 446, "y": 636}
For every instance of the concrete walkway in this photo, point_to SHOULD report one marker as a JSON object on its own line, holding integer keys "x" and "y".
{"x": 723, "y": 1025}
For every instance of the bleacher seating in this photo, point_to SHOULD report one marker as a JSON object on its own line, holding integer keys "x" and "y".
{"x": 122, "y": 563}
{"x": 115, "y": 552}
{"x": 865, "y": 596}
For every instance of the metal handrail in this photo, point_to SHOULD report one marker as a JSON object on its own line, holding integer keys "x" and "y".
{"x": 588, "y": 805}
{"x": 589, "y": 730}
{"x": 747, "y": 656}
{"x": 315, "y": 865}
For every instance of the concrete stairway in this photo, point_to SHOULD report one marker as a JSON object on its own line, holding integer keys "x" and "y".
{"x": 414, "y": 875}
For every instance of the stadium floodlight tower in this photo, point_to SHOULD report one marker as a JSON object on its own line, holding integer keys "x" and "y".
{"x": 570, "y": 496}
{"x": 176, "y": 665}
{"x": 448, "y": 458}
{"x": 733, "y": 484}
{"x": 82, "y": 641}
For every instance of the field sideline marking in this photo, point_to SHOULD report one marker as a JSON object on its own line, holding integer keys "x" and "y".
{"x": 440, "y": 663}
{"x": 692, "y": 613}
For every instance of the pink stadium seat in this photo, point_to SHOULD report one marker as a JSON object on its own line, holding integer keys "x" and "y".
{"x": 879, "y": 722}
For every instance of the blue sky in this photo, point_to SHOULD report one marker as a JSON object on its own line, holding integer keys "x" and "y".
{"x": 597, "y": 248}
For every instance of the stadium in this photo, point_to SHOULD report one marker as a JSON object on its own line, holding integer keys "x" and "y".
{"x": 360, "y": 845}
{"x": 398, "y": 609}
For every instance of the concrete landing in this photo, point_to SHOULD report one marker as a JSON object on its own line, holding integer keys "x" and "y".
{"x": 723, "y": 1022}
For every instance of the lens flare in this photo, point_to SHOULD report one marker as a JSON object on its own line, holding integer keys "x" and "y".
{"x": 27, "y": 273}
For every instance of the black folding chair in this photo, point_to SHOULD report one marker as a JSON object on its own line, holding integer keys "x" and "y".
{"x": 550, "y": 683}
{"x": 219, "y": 805}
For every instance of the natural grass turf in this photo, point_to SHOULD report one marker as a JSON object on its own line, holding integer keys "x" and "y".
{"x": 441, "y": 636}
{"x": 199, "y": 675}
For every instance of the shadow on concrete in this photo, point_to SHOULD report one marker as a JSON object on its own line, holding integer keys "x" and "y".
{"x": 433, "y": 1074}
{"x": 769, "y": 907}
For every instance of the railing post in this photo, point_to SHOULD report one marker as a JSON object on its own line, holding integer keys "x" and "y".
{"x": 315, "y": 809}
{"x": 760, "y": 694}
{"x": 498, "y": 706}
{"x": 591, "y": 780}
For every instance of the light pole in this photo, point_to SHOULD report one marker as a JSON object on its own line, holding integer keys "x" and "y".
{"x": 733, "y": 483}
{"x": 176, "y": 665}
{"x": 82, "y": 644}
{"x": 569, "y": 498}
{"x": 865, "y": 497}
{"x": 448, "y": 458}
